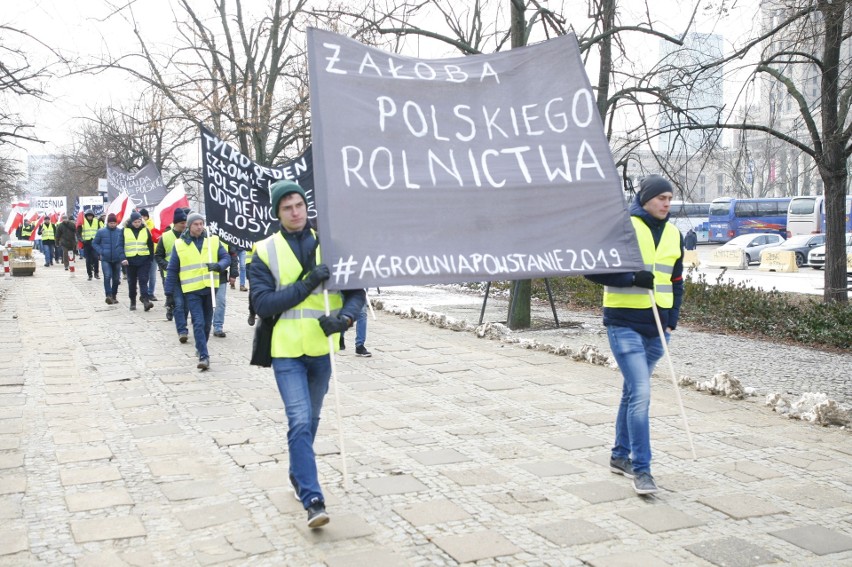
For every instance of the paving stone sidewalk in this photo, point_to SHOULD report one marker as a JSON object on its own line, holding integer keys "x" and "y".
{"x": 115, "y": 450}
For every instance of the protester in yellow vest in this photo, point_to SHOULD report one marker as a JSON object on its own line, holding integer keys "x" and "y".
{"x": 86, "y": 233}
{"x": 286, "y": 283}
{"x": 194, "y": 266}
{"x": 138, "y": 253}
{"x": 631, "y": 326}
{"x": 48, "y": 237}
{"x": 175, "y": 306}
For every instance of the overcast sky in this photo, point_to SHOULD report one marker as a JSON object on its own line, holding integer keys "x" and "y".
{"x": 86, "y": 29}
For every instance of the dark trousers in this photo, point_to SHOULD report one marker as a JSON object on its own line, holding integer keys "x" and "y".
{"x": 138, "y": 274}
{"x": 91, "y": 258}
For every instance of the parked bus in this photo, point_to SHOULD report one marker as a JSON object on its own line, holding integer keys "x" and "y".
{"x": 806, "y": 215}
{"x": 731, "y": 217}
{"x": 691, "y": 215}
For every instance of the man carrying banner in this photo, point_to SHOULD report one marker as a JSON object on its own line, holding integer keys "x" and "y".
{"x": 86, "y": 233}
{"x": 175, "y": 306}
{"x": 631, "y": 326}
{"x": 190, "y": 268}
{"x": 138, "y": 253}
{"x": 286, "y": 284}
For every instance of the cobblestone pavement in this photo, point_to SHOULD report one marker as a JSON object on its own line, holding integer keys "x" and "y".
{"x": 115, "y": 450}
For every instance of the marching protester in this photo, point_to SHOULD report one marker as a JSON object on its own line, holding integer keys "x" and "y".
{"x": 138, "y": 255}
{"x": 152, "y": 276}
{"x": 226, "y": 276}
{"x": 66, "y": 236}
{"x": 25, "y": 230}
{"x": 175, "y": 306}
{"x": 286, "y": 285}
{"x": 189, "y": 268}
{"x": 86, "y": 233}
{"x": 48, "y": 237}
{"x": 632, "y": 329}
{"x": 109, "y": 245}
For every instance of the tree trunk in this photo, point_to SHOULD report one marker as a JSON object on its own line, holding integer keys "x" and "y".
{"x": 520, "y": 296}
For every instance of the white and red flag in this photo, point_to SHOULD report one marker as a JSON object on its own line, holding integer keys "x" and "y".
{"x": 164, "y": 213}
{"x": 120, "y": 207}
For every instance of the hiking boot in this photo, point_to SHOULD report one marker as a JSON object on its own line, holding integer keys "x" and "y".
{"x": 295, "y": 486}
{"x": 97, "y": 276}
{"x": 317, "y": 516}
{"x": 251, "y": 319}
{"x": 169, "y": 313}
{"x": 220, "y": 334}
{"x": 147, "y": 303}
{"x": 203, "y": 363}
{"x": 620, "y": 465}
{"x": 133, "y": 306}
{"x": 643, "y": 483}
{"x": 90, "y": 277}
{"x": 360, "y": 350}
{"x": 183, "y": 338}
{"x": 243, "y": 288}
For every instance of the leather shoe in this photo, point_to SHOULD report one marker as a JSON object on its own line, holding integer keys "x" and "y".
{"x": 251, "y": 320}
{"x": 220, "y": 334}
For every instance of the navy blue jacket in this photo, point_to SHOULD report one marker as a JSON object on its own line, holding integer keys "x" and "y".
{"x": 173, "y": 271}
{"x": 642, "y": 320}
{"x": 268, "y": 302}
{"x": 109, "y": 244}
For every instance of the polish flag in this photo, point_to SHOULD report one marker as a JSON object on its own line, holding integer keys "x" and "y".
{"x": 54, "y": 216}
{"x": 16, "y": 219}
{"x": 119, "y": 207}
{"x": 164, "y": 213}
{"x": 36, "y": 225}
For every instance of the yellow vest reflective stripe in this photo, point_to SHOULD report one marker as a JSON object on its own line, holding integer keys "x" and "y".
{"x": 47, "y": 232}
{"x": 297, "y": 331}
{"x": 89, "y": 229}
{"x": 660, "y": 260}
{"x": 168, "y": 239}
{"x": 136, "y": 246}
{"x": 194, "y": 274}
{"x": 27, "y": 230}
{"x": 250, "y": 254}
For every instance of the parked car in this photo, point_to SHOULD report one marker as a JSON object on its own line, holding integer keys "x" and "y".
{"x": 801, "y": 244}
{"x": 816, "y": 258}
{"x": 753, "y": 243}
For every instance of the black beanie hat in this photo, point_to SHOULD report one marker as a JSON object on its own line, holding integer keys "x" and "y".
{"x": 653, "y": 185}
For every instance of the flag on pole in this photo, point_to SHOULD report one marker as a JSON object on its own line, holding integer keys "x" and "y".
{"x": 36, "y": 225}
{"x": 119, "y": 207}
{"x": 164, "y": 213}
{"x": 16, "y": 219}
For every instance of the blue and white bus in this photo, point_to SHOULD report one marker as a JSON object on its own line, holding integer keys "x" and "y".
{"x": 806, "y": 215}
{"x": 731, "y": 217}
{"x": 691, "y": 215}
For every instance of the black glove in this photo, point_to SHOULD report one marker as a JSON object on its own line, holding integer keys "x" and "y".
{"x": 316, "y": 277}
{"x": 643, "y": 279}
{"x": 214, "y": 267}
{"x": 333, "y": 324}
{"x": 170, "y": 300}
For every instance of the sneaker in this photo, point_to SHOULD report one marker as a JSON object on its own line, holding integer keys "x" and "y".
{"x": 108, "y": 300}
{"x": 643, "y": 483}
{"x": 243, "y": 288}
{"x": 295, "y": 486}
{"x": 251, "y": 319}
{"x": 620, "y": 465}
{"x": 317, "y": 516}
{"x": 360, "y": 350}
{"x": 220, "y": 334}
{"x": 203, "y": 363}
{"x": 183, "y": 338}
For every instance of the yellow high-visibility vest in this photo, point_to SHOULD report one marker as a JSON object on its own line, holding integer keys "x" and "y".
{"x": 660, "y": 260}
{"x": 136, "y": 245}
{"x": 90, "y": 228}
{"x": 297, "y": 331}
{"x": 194, "y": 274}
{"x": 47, "y": 232}
{"x": 168, "y": 239}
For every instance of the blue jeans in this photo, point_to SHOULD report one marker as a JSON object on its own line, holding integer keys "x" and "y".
{"x": 112, "y": 277}
{"x": 47, "y": 248}
{"x": 636, "y": 356}
{"x": 200, "y": 308}
{"x": 303, "y": 383}
{"x": 180, "y": 311}
{"x": 219, "y": 312}
{"x": 241, "y": 256}
{"x": 361, "y": 327}
{"x": 152, "y": 279}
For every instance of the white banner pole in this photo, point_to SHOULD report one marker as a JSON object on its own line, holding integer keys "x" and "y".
{"x": 672, "y": 370}
{"x": 213, "y": 287}
{"x": 336, "y": 398}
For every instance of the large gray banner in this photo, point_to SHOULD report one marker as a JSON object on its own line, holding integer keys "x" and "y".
{"x": 145, "y": 187}
{"x": 489, "y": 167}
